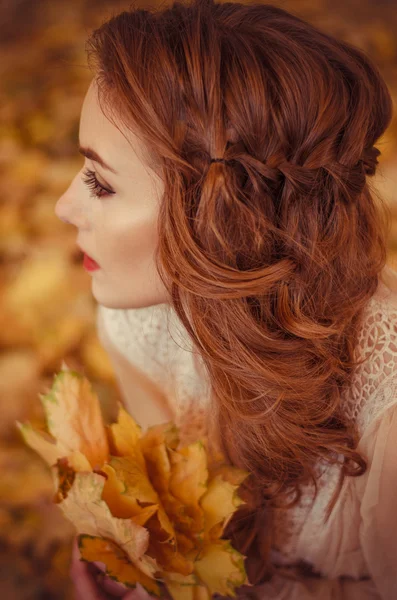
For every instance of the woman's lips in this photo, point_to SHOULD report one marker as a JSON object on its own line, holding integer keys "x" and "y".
{"x": 89, "y": 263}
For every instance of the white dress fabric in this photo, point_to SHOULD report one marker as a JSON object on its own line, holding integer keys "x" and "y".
{"x": 355, "y": 551}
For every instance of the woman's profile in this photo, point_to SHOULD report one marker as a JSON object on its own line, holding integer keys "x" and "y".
{"x": 239, "y": 262}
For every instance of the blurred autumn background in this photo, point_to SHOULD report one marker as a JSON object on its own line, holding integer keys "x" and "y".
{"x": 47, "y": 312}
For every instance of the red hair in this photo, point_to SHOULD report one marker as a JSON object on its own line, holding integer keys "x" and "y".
{"x": 270, "y": 258}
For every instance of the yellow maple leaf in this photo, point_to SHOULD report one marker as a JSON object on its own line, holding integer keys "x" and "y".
{"x": 84, "y": 507}
{"x": 74, "y": 420}
{"x": 219, "y": 503}
{"x": 118, "y": 566}
{"x": 221, "y": 568}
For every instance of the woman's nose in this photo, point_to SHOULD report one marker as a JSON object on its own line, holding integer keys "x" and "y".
{"x": 69, "y": 210}
{"x": 62, "y": 209}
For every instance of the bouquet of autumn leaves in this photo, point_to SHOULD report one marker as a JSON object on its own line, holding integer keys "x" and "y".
{"x": 151, "y": 511}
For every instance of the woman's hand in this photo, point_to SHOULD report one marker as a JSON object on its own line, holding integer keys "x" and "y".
{"x": 91, "y": 583}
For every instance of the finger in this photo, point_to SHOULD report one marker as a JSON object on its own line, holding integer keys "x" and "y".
{"x": 139, "y": 593}
{"x": 85, "y": 586}
{"x": 113, "y": 587}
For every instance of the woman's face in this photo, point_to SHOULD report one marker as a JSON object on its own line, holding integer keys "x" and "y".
{"x": 118, "y": 230}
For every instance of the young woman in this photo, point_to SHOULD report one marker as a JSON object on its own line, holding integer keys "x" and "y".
{"x": 238, "y": 258}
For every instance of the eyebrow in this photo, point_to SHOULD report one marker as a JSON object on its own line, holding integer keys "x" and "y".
{"x": 92, "y": 155}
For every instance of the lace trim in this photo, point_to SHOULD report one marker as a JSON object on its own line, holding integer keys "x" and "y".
{"x": 376, "y": 379}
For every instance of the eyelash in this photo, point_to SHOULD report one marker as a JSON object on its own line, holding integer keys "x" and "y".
{"x": 98, "y": 190}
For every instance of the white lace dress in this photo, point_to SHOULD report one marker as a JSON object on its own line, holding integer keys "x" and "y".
{"x": 355, "y": 552}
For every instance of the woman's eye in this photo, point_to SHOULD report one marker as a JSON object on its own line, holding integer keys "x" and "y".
{"x": 97, "y": 190}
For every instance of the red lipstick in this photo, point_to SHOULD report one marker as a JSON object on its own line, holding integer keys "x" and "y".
{"x": 89, "y": 263}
